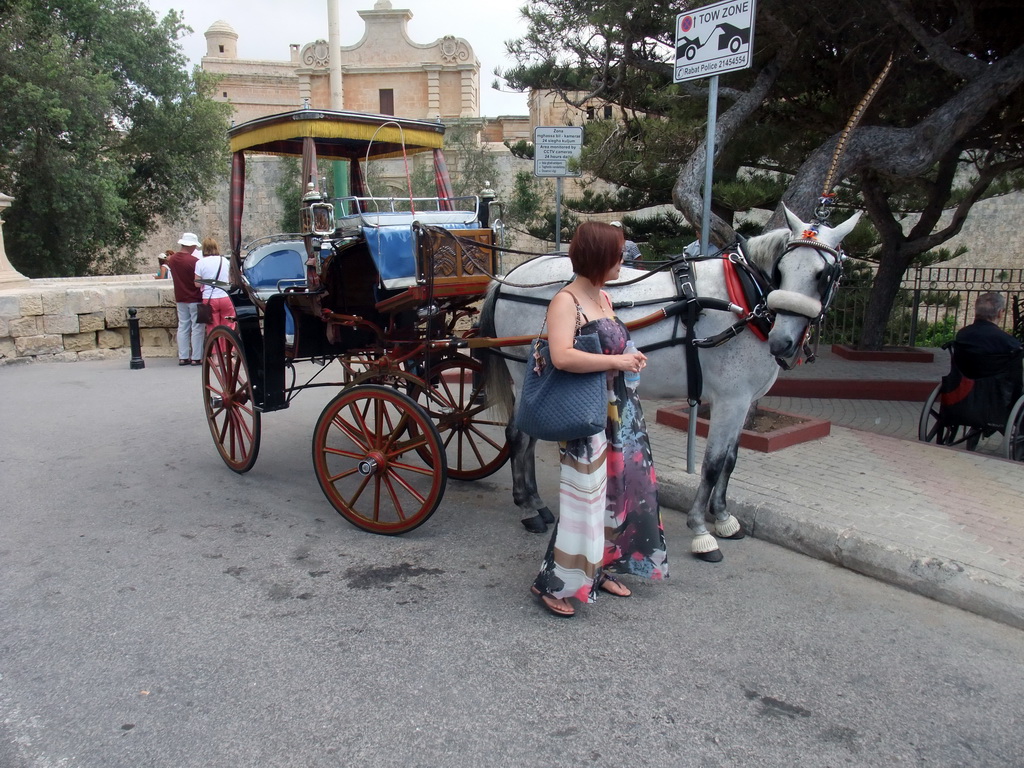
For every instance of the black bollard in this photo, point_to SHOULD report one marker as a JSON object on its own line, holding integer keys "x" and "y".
{"x": 133, "y": 335}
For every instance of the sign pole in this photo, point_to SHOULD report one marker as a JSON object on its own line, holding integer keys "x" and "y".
{"x": 705, "y": 233}
{"x": 709, "y": 165}
{"x": 558, "y": 214}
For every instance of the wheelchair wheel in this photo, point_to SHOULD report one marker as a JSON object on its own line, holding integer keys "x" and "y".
{"x": 932, "y": 429}
{"x": 1013, "y": 442}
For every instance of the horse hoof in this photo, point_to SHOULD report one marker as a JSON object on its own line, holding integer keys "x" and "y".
{"x": 535, "y": 524}
{"x": 545, "y": 514}
{"x": 729, "y": 528}
{"x": 714, "y": 556}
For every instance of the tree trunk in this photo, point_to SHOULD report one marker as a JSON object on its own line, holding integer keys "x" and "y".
{"x": 886, "y": 285}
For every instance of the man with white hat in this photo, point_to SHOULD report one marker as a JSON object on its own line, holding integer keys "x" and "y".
{"x": 187, "y": 296}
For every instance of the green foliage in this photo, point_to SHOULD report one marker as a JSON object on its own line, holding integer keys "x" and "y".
{"x": 521, "y": 149}
{"x": 102, "y": 131}
{"x": 660, "y": 236}
{"x": 524, "y": 210}
{"x": 469, "y": 164}
{"x": 289, "y": 194}
{"x": 938, "y": 333}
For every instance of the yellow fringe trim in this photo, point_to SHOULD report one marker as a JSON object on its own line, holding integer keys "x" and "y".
{"x": 416, "y": 140}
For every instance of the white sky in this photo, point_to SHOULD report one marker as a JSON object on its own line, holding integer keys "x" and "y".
{"x": 266, "y": 28}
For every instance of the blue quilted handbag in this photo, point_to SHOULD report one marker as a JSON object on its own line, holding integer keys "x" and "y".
{"x": 559, "y": 405}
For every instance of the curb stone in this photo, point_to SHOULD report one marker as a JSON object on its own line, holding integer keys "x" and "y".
{"x": 945, "y": 580}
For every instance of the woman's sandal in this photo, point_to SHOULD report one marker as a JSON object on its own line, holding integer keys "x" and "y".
{"x": 558, "y": 606}
{"x": 613, "y": 586}
{"x": 183, "y": 362}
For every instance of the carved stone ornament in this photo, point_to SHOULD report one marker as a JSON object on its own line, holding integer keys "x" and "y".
{"x": 316, "y": 54}
{"x": 452, "y": 50}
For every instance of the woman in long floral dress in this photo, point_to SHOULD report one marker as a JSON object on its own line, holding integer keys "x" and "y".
{"x": 609, "y": 519}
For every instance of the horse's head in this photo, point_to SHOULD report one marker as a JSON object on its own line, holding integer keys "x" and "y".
{"x": 805, "y": 276}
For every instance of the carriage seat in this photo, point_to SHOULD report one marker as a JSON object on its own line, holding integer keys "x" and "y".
{"x": 272, "y": 267}
{"x": 393, "y": 247}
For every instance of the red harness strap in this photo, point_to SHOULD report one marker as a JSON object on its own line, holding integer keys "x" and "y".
{"x": 738, "y": 296}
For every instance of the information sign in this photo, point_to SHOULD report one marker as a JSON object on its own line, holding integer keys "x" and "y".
{"x": 554, "y": 147}
{"x": 714, "y": 39}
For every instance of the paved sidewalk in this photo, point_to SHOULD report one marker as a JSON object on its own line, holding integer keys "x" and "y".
{"x": 942, "y": 522}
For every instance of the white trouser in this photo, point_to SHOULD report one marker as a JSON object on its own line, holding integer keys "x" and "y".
{"x": 190, "y": 332}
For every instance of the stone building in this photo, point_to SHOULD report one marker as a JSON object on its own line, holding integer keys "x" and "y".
{"x": 386, "y": 72}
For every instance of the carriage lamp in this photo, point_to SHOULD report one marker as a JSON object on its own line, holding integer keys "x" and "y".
{"x": 316, "y": 216}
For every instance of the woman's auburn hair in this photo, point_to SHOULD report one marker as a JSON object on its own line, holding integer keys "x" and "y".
{"x": 595, "y": 249}
{"x": 210, "y": 247}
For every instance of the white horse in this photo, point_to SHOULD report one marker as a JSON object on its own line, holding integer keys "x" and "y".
{"x": 803, "y": 266}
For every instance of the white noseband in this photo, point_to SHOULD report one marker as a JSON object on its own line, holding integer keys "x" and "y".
{"x": 797, "y": 303}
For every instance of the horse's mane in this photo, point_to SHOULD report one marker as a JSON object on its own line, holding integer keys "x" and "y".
{"x": 763, "y": 249}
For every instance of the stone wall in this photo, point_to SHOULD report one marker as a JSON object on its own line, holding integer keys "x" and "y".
{"x": 65, "y": 320}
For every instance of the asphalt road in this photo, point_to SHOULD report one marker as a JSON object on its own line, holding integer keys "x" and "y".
{"x": 157, "y": 609}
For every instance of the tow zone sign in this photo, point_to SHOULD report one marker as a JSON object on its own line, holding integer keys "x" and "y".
{"x": 714, "y": 39}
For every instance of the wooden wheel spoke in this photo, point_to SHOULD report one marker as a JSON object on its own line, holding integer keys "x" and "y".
{"x": 359, "y": 489}
{"x": 241, "y": 425}
{"x": 345, "y": 454}
{"x": 473, "y": 429}
{"x": 393, "y": 473}
{"x": 394, "y": 496}
{"x": 416, "y": 442}
{"x": 357, "y": 433}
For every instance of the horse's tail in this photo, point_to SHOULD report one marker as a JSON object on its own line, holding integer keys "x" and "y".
{"x": 497, "y": 381}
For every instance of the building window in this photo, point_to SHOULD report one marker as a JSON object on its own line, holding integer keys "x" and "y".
{"x": 608, "y": 112}
{"x": 590, "y": 113}
{"x": 225, "y": 94}
{"x": 221, "y": 48}
{"x": 387, "y": 101}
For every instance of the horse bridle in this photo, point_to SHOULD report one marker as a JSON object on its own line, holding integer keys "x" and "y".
{"x": 783, "y": 302}
{"x": 829, "y": 279}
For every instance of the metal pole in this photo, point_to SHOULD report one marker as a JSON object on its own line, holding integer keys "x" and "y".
{"x": 339, "y": 168}
{"x": 558, "y": 214}
{"x": 705, "y": 237}
{"x": 136, "y": 342}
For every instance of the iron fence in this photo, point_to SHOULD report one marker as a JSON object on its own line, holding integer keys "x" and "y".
{"x": 932, "y": 304}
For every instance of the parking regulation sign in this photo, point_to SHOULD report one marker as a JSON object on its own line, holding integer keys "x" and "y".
{"x": 714, "y": 39}
{"x": 553, "y": 149}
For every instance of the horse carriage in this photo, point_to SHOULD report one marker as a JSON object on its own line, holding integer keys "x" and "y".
{"x": 962, "y": 410}
{"x": 381, "y": 286}
{"x": 388, "y": 288}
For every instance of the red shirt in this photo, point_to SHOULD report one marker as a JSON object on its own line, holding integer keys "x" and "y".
{"x": 183, "y": 272}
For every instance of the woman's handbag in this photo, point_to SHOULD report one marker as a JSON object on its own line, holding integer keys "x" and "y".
{"x": 559, "y": 405}
{"x": 204, "y": 312}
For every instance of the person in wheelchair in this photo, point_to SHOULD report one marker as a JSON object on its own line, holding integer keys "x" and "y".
{"x": 987, "y": 373}
{"x": 983, "y": 349}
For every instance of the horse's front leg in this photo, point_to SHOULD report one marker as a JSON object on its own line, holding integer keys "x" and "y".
{"x": 719, "y": 461}
{"x": 522, "y": 449}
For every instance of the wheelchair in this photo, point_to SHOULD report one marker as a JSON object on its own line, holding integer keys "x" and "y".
{"x": 962, "y": 411}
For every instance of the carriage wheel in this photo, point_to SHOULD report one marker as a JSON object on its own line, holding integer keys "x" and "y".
{"x": 932, "y": 429}
{"x": 1013, "y": 443}
{"x": 472, "y": 433}
{"x": 227, "y": 396}
{"x": 368, "y": 450}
